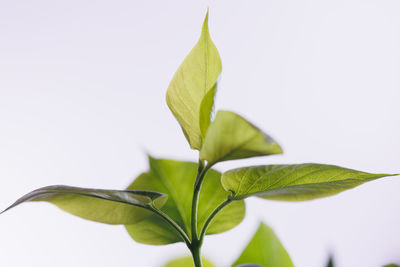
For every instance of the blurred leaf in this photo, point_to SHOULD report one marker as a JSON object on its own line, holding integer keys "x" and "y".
{"x": 293, "y": 182}
{"x": 248, "y": 265}
{"x": 190, "y": 95}
{"x": 105, "y": 206}
{"x": 177, "y": 179}
{"x": 230, "y": 136}
{"x": 392, "y": 265}
{"x": 264, "y": 249}
{"x": 330, "y": 262}
{"x": 187, "y": 262}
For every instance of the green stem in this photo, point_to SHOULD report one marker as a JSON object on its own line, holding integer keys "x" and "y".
{"x": 211, "y": 217}
{"x": 171, "y": 222}
{"x": 201, "y": 172}
{"x": 195, "y": 245}
{"x": 196, "y": 255}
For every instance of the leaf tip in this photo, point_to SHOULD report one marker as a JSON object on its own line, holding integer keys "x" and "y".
{"x": 382, "y": 175}
{"x": 149, "y": 156}
{"x": 151, "y": 159}
{"x": 205, "y": 22}
{"x": 279, "y": 149}
{"x": 263, "y": 226}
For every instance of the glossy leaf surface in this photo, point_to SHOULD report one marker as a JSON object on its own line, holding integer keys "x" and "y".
{"x": 230, "y": 136}
{"x": 264, "y": 249}
{"x": 190, "y": 95}
{"x": 105, "y": 206}
{"x": 176, "y": 179}
{"x": 187, "y": 262}
{"x": 293, "y": 182}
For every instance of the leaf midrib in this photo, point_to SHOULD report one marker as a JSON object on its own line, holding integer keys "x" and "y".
{"x": 240, "y": 197}
{"x": 236, "y": 148}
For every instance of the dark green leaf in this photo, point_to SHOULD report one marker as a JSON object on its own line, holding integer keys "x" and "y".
{"x": 176, "y": 179}
{"x": 264, "y": 249}
{"x": 293, "y": 182}
{"x": 187, "y": 262}
{"x": 105, "y": 206}
{"x": 190, "y": 95}
{"x": 230, "y": 136}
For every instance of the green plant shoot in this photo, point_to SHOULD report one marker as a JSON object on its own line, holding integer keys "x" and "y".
{"x": 177, "y": 201}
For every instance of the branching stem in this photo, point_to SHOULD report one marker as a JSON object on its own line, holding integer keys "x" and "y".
{"x": 211, "y": 217}
{"x": 195, "y": 244}
{"x": 171, "y": 222}
{"x": 201, "y": 172}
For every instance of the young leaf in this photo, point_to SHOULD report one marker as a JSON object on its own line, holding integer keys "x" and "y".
{"x": 190, "y": 95}
{"x": 293, "y": 182}
{"x": 230, "y": 136}
{"x": 264, "y": 249}
{"x": 176, "y": 179}
{"x": 187, "y": 262}
{"x": 105, "y": 206}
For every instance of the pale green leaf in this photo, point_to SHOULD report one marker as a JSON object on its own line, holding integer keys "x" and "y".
{"x": 176, "y": 179}
{"x": 293, "y": 182}
{"x": 230, "y": 136}
{"x": 264, "y": 249}
{"x": 105, "y": 206}
{"x": 190, "y": 95}
{"x": 187, "y": 262}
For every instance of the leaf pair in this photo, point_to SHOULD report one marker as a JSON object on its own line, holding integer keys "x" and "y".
{"x": 263, "y": 250}
{"x": 190, "y": 96}
{"x": 175, "y": 179}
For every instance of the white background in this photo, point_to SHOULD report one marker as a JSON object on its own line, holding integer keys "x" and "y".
{"x": 82, "y": 99}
